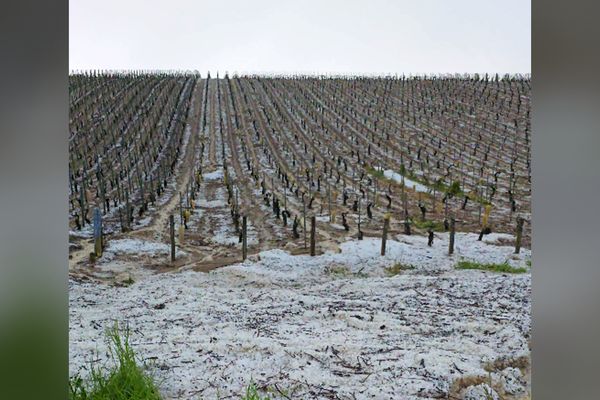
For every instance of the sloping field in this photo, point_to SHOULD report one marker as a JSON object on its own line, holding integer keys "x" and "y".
{"x": 348, "y": 323}
{"x": 279, "y": 150}
{"x": 339, "y": 326}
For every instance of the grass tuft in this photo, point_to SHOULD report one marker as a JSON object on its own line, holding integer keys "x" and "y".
{"x": 337, "y": 270}
{"x": 343, "y": 271}
{"x": 375, "y": 172}
{"x": 252, "y": 393}
{"x": 398, "y": 268}
{"x": 504, "y": 267}
{"x": 124, "y": 381}
{"x": 435, "y": 226}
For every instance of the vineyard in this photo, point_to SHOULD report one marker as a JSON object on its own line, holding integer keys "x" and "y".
{"x": 285, "y": 189}
{"x": 280, "y": 150}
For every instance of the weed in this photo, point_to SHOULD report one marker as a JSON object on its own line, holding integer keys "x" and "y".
{"x": 489, "y": 394}
{"x": 252, "y": 393}
{"x": 343, "y": 271}
{"x": 435, "y": 226}
{"x": 398, "y": 268}
{"x": 454, "y": 189}
{"x": 522, "y": 363}
{"x": 337, "y": 270}
{"x": 504, "y": 267}
{"x": 125, "y": 380}
{"x": 360, "y": 274}
{"x": 375, "y": 172}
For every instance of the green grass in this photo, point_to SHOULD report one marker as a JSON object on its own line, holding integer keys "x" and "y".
{"x": 504, "y": 267}
{"x": 435, "y": 226}
{"x": 124, "y": 380}
{"x": 252, "y": 393}
{"x": 398, "y": 268}
{"x": 454, "y": 189}
{"x": 342, "y": 271}
{"x": 337, "y": 270}
{"x": 126, "y": 282}
{"x": 376, "y": 173}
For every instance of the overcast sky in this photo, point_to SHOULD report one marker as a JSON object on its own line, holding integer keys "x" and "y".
{"x": 320, "y": 36}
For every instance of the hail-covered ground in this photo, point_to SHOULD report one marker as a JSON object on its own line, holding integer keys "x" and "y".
{"x": 342, "y": 325}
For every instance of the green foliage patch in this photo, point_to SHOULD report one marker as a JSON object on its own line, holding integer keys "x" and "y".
{"x": 504, "y": 267}
{"x": 125, "y": 380}
{"x": 398, "y": 268}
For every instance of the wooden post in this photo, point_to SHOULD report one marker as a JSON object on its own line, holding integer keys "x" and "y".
{"x": 386, "y": 225}
{"x": 304, "y": 219}
{"x": 82, "y": 202}
{"x": 446, "y": 205}
{"x": 180, "y": 208}
{"x": 484, "y": 225}
{"x": 329, "y": 200}
{"x": 181, "y": 234}
{"x": 244, "y": 238}
{"x": 452, "y": 232}
{"x": 313, "y": 231}
{"x": 172, "y": 236}
{"x": 121, "y": 221}
{"x": 520, "y": 222}
{"x": 375, "y": 189}
{"x": 97, "y": 232}
{"x": 359, "y": 231}
{"x": 236, "y": 198}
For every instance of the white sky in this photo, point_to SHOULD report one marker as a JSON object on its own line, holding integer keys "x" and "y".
{"x": 326, "y": 36}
